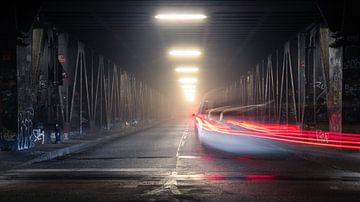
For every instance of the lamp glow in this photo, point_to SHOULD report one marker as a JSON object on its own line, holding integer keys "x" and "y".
{"x": 190, "y": 97}
{"x": 187, "y": 69}
{"x": 185, "y": 53}
{"x": 188, "y": 87}
{"x": 189, "y": 92}
{"x": 189, "y": 80}
{"x": 181, "y": 17}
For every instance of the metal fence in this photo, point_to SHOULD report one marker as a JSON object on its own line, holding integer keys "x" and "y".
{"x": 68, "y": 87}
{"x": 300, "y": 83}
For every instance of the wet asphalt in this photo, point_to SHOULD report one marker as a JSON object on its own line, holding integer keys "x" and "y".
{"x": 169, "y": 163}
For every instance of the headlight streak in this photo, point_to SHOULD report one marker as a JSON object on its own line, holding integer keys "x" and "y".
{"x": 285, "y": 133}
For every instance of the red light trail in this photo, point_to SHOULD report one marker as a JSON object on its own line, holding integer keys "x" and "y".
{"x": 282, "y": 132}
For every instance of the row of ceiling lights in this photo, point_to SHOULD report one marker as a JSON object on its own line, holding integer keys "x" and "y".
{"x": 187, "y": 80}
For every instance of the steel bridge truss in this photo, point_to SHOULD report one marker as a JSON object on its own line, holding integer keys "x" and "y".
{"x": 64, "y": 84}
{"x": 299, "y": 83}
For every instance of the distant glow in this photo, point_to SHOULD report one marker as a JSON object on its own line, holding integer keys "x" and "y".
{"x": 188, "y": 86}
{"x": 187, "y": 69}
{"x": 182, "y": 17}
{"x": 190, "y": 98}
{"x": 189, "y": 80}
{"x": 185, "y": 53}
{"x": 189, "y": 94}
{"x": 189, "y": 91}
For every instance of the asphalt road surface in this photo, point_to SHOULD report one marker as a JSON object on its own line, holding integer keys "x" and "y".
{"x": 168, "y": 163}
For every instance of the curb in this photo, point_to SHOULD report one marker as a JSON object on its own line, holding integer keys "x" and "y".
{"x": 77, "y": 148}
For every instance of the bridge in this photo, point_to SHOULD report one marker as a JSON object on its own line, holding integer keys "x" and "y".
{"x": 180, "y": 93}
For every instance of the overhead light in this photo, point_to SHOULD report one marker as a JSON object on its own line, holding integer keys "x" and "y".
{"x": 187, "y": 80}
{"x": 185, "y": 53}
{"x": 187, "y": 69}
{"x": 181, "y": 17}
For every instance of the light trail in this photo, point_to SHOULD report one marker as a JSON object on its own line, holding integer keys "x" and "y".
{"x": 282, "y": 132}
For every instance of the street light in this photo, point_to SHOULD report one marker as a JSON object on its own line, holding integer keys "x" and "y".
{"x": 187, "y": 69}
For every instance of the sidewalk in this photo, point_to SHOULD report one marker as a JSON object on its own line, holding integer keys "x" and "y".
{"x": 44, "y": 152}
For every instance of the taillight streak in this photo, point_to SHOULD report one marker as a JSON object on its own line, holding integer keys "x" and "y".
{"x": 285, "y": 133}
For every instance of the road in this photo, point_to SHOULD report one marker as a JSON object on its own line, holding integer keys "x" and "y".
{"x": 168, "y": 163}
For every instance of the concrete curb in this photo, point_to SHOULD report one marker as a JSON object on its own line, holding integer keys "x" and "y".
{"x": 77, "y": 148}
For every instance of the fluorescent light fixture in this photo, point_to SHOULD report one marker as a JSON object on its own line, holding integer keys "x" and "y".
{"x": 181, "y": 17}
{"x": 185, "y": 53}
{"x": 188, "y": 80}
{"x": 187, "y": 69}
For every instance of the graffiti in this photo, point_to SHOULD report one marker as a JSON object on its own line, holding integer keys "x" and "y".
{"x": 353, "y": 63}
{"x": 335, "y": 121}
{"x": 7, "y": 135}
{"x": 25, "y": 128}
{"x": 352, "y": 90}
{"x": 322, "y": 136}
{"x": 38, "y": 135}
{"x": 320, "y": 85}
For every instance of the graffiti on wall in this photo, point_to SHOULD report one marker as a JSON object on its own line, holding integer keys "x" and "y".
{"x": 25, "y": 128}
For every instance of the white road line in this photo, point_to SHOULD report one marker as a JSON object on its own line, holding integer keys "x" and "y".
{"x": 92, "y": 170}
{"x": 178, "y": 148}
{"x": 181, "y": 143}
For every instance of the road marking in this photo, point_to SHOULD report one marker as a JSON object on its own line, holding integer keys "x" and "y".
{"x": 181, "y": 143}
{"x": 91, "y": 170}
{"x": 194, "y": 157}
{"x": 170, "y": 184}
{"x": 178, "y": 148}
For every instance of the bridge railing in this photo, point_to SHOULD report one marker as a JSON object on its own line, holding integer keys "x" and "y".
{"x": 299, "y": 83}
{"x": 66, "y": 87}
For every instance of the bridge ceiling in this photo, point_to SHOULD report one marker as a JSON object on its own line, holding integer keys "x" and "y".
{"x": 233, "y": 37}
